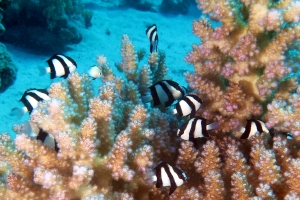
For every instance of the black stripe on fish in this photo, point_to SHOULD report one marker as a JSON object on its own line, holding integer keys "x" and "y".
{"x": 179, "y": 110}
{"x": 177, "y": 87}
{"x": 155, "y": 96}
{"x": 191, "y": 104}
{"x": 165, "y": 86}
{"x": 42, "y": 136}
{"x": 56, "y": 148}
{"x": 248, "y": 127}
{"x": 183, "y": 128}
{"x": 171, "y": 178}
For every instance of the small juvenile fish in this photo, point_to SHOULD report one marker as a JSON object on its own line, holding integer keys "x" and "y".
{"x": 252, "y": 127}
{"x": 153, "y": 37}
{"x": 289, "y": 136}
{"x": 196, "y": 127}
{"x": 164, "y": 91}
{"x": 188, "y": 105}
{"x": 59, "y": 65}
{"x": 30, "y": 99}
{"x": 95, "y": 72}
{"x": 168, "y": 175}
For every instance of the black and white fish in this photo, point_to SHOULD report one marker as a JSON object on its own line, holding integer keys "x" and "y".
{"x": 38, "y": 134}
{"x": 95, "y": 72}
{"x": 188, "y": 105}
{"x": 164, "y": 91}
{"x": 196, "y": 127}
{"x": 153, "y": 37}
{"x": 252, "y": 127}
{"x": 30, "y": 99}
{"x": 59, "y": 65}
{"x": 289, "y": 136}
{"x": 47, "y": 139}
{"x": 168, "y": 175}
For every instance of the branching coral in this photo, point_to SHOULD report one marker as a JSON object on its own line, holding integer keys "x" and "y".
{"x": 241, "y": 66}
{"x": 109, "y": 142}
{"x": 8, "y": 71}
{"x": 247, "y": 68}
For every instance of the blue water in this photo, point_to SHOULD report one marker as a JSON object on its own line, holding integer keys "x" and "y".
{"x": 102, "y": 37}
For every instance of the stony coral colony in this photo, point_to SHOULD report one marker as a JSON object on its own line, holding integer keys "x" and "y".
{"x": 247, "y": 68}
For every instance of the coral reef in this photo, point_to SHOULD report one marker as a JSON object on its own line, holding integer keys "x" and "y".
{"x": 44, "y": 23}
{"x": 8, "y": 71}
{"x": 245, "y": 68}
{"x": 5, "y": 3}
{"x": 107, "y": 142}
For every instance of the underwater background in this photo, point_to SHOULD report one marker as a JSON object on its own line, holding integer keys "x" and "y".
{"x": 116, "y": 137}
{"x": 110, "y": 20}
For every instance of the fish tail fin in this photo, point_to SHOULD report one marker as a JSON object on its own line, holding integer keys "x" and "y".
{"x": 168, "y": 103}
{"x": 17, "y": 112}
{"x": 240, "y": 129}
{"x": 43, "y": 70}
{"x": 212, "y": 126}
{"x": 151, "y": 179}
{"x": 146, "y": 99}
{"x": 172, "y": 112}
{"x": 172, "y": 188}
{"x": 195, "y": 143}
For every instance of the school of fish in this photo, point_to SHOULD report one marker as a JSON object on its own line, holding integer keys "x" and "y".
{"x": 164, "y": 92}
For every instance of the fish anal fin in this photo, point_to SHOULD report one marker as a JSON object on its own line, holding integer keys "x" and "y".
{"x": 195, "y": 143}
{"x": 158, "y": 183}
{"x": 172, "y": 188}
{"x": 146, "y": 99}
{"x": 168, "y": 103}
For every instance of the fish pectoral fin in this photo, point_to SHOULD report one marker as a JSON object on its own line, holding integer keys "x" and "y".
{"x": 17, "y": 112}
{"x": 42, "y": 70}
{"x": 146, "y": 99}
